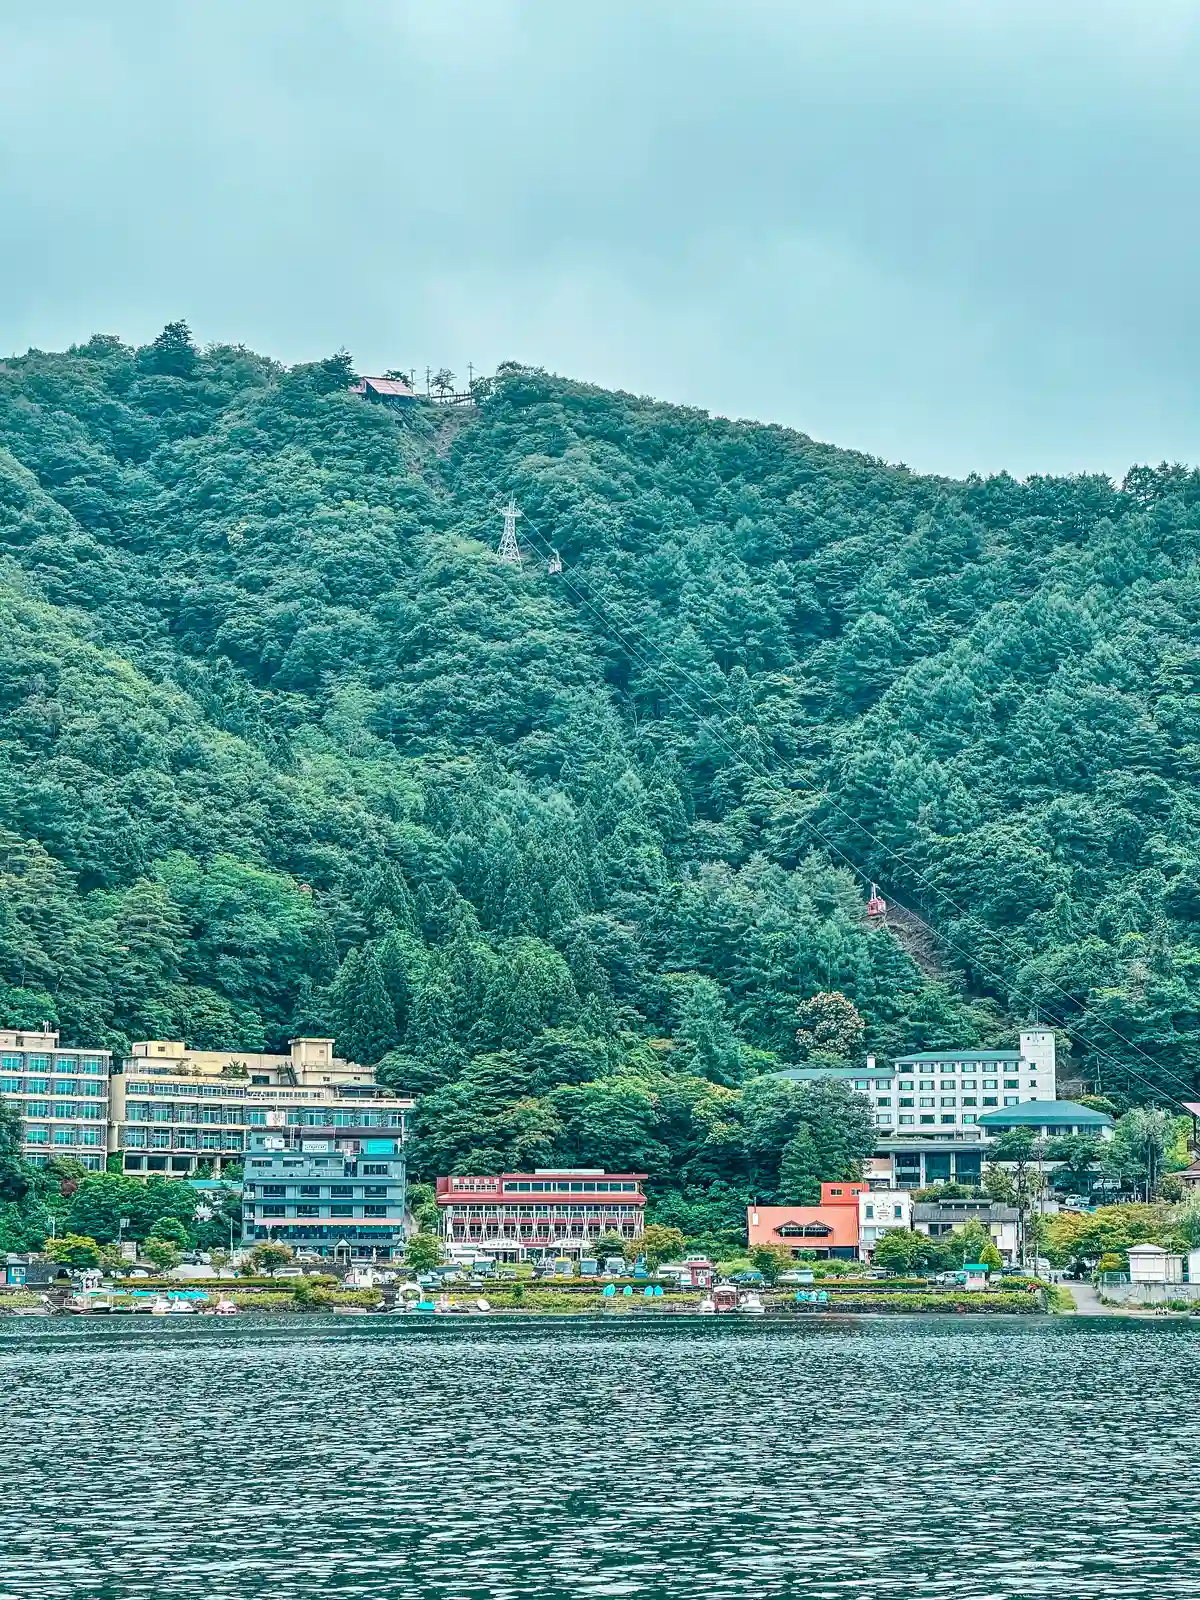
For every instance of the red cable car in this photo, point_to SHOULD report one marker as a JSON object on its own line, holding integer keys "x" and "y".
{"x": 876, "y": 905}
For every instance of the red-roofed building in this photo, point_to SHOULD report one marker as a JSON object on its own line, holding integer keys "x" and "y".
{"x": 828, "y": 1229}
{"x": 521, "y": 1216}
{"x": 391, "y": 391}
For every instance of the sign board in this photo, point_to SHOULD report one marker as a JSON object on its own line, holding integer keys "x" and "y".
{"x": 378, "y": 1147}
{"x": 315, "y": 1147}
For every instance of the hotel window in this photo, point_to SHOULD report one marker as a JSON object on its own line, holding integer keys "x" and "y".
{"x": 990, "y": 1083}
{"x": 342, "y": 1191}
{"x": 926, "y": 1083}
{"x": 928, "y": 1119}
{"x": 39, "y": 1063}
{"x": 64, "y": 1135}
{"x": 376, "y": 1191}
{"x": 12, "y": 1063}
{"x": 1012, "y": 1099}
{"x": 37, "y": 1108}
{"x": 37, "y": 1135}
{"x": 135, "y": 1138}
{"x": 950, "y": 1118}
{"x": 968, "y": 1116}
{"x": 64, "y": 1108}
{"x": 884, "y": 1100}
{"x": 906, "y": 1102}
{"x": 1012, "y": 1083}
{"x": 925, "y": 1100}
{"x": 308, "y": 1211}
{"x": 92, "y": 1089}
{"x": 949, "y": 1100}
{"x": 89, "y": 1136}
{"x": 375, "y": 1211}
{"x": 989, "y": 1100}
{"x": 64, "y": 1086}
{"x": 272, "y": 1211}
{"x": 869, "y": 1213}
{"x": 10, "y": 1085}
{"x": 161, "y": 1141}
{"x": 37, "y": 1085}
{"x": 91, "y": 1064}
{"x": 970, "y": 1083}
{"x": 96, "y": 1113}
{"x": 341, "y": 1211}
{"x": 1033, "y": 1083}
{"x": 898, "y": 1211}
{"x": 970, "y": 1100}
{"x": 311, "y": 1190}
{"x": 947, "y": 1083}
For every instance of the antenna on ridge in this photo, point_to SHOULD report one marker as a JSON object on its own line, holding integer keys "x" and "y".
{"x": 509, "y": 549}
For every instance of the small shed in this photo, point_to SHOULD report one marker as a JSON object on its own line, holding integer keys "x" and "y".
{"x": 975, "y": 1274}
{"x": 385, "y": 391}
{"x": 1150, "y": 1263}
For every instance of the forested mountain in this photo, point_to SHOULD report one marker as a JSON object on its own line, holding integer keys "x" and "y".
{"x": 286, "y": 748}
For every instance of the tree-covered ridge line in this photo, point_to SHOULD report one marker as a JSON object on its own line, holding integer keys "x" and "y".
{"x": 285, "y": 749}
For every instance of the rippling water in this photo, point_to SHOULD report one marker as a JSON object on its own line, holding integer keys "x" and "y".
{"x": 938, "y": 1459}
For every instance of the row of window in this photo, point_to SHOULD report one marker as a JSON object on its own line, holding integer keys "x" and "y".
{"x": 164, "y": 1139}
{"x": 324, "y": 1211}
{"x": 63, "y": 1108}
{"x": 232, "y": 1116}
{"x": 907, "y": 1084}
{"x": 88, "y": 1087}
{"x": 21, "y": 1063}
{"x": 870, "y": 1209}
{"x": 65, "y": 1136}
{"x": 572, "y": 1186}
{"x": 314, "y": 1191}
{"x": 606, "y": 1208}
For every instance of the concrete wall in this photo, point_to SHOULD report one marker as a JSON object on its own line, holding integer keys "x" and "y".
{"x": 1149, "y": 1294}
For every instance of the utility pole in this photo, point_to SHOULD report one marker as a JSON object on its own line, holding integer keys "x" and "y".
{"x": 510, "y": 550}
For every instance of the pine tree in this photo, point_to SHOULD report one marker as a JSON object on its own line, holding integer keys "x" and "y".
{"x": 172, "y": 354}
{"x": 363, "y": 1017}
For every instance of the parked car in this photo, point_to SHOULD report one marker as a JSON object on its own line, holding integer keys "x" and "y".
{"x": 748, "y": 1275}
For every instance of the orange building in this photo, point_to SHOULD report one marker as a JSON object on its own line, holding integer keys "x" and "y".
{"x": 828, "y": 1229}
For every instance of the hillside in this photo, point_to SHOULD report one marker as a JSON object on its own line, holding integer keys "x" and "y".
{"x": 285, "y": 748}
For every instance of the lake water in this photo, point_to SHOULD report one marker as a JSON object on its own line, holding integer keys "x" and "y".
{"x": 940, "y": 1459}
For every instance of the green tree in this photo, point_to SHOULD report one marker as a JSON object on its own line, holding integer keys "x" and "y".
{"x": 161, "y": 1253}
{"x": 269, "y": 1256}
{"x": 899, "y": 1251}
{"x": 172, "y": 354}
{"x": 171, "y": 1230}
{"x": 364, "y": 1018}
{"x": 423, "y": 1252}
{"x": 830, "y": 1027}
{"x": 771, "y": 1260}
{"x": 659, "y": 1244}
{"x": 74, "y": 1250}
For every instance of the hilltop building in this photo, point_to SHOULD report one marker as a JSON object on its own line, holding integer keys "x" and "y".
{"x": 172, "y": 1108}
{"x": 326, "y": 1190}
{"x": 386, "y": 391}
{"x": 522, "y": 1216}
{"x": 61, "y": 1094}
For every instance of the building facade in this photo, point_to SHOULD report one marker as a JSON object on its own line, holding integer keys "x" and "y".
{"x": 939, "y": 1217}
{"x": 829, "y": 1229}
{"x": 61, "y": 1094}
{"x": 878, "y": 1212}
{"x": 172, "y": 1109}
{"x": 326, "y": 1190}
{"x": 927, "y": 1108}
{"x": 523, "y": 1216}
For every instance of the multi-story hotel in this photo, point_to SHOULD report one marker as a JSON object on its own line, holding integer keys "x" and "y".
{"x": 172, "y": 1108}
{"x": 519, "y": 1216}
{"x": 61, "y": 1094}
{"x": 326, "y": 1191}
{"x": 927, "y": 1107}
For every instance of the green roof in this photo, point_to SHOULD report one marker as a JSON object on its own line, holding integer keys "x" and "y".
{"x": 962, "y": 1055}
{"x": 809, "y": 1074}
{"x": 1035, "y": 1113}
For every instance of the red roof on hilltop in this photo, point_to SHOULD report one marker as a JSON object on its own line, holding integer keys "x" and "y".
{"x": 395, "y": 386}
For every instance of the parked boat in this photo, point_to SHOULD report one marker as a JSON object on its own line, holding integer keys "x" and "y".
{"x": 224, "y": 1308}
{"x": 708, "y": 1305}
{"x": 752, "y": 1304}
{"x": 160, "y": 1306}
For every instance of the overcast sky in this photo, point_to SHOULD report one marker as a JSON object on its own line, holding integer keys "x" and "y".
{"x": 957, "y": 233}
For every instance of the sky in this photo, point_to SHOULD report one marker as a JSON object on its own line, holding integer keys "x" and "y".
{"x": 961, "y": 234}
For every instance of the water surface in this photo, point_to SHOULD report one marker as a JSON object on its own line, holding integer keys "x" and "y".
{"x": 943, "y": 1459}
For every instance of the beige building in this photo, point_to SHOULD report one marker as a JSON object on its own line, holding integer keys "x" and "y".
{"x": 171, "y": 1108}
{"x": 61, "y": 1095}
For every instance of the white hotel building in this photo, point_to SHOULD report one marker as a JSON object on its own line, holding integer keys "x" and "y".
{"x": 927, "y": 1106}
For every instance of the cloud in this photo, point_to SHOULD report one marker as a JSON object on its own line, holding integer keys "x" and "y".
{"x": 957, "y": 235}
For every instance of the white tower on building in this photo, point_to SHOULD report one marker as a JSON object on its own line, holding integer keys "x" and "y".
{"x": 1040, "y": 1082}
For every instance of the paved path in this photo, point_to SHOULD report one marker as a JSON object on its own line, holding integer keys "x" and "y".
{"x": 1087, "y": 1301}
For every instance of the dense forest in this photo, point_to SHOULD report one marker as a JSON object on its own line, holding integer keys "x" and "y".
{"x": 576, "y": 855}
